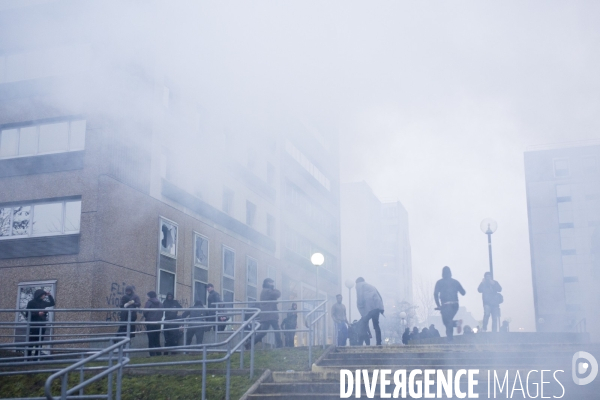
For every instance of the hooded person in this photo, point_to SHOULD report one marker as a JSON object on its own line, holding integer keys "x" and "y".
{"x": 370, "y": 305}
{"x": 288, "y": 323}
{"x": 171, "y": 330}
{"x": 128, "y": 301}
{"x": 406, "y": 336}
{"x": 446, "y": 298}
{"x": 269, "y": 315}
{"x": 38, "y": 318}
{"x": 153, "y": 318}
{"x": 196, "y": 318}
{"x": 490, "y": 294}
{"x": 434, "y": 333}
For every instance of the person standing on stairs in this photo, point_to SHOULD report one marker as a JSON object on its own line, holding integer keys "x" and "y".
{"x": 446, "y": 298}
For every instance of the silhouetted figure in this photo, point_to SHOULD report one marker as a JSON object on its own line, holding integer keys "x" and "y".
{"x": 446, "y": 297}
{"x": 129, "y": 300}
{"x": 38, "y": 318}
{"x": 406, "y": 336}
{"x": 415, "y": 335}
{"x": 269, "y": 318}
{"x": 467, "y": 330}
{"x": 153, "y": 319}
{"x": 424, "y": 333}
{"x": 214, "y": 298}
{"x": 338, "y": 314}
{"x": 170, "y": 327}
{"x": 197, "y": 329}
{"x": 370, "y": 305}
{"x": 434, "y": 333}
{"x": 504, "y": 327}
{"x": 490, "y": 294}
{"x": 290, "y": 322}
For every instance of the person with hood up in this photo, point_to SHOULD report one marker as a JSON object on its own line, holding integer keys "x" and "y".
{"x": 406, "y": 336}
{"x": 446, "y": 298}
{"x": 197, "y": 317}
{"x": 38, "y": 318}
{"x": 129, "y": 301}
{"x": 433, "y": 332}
{"x": 370, "y": 305}
{"x": 414, "y": 334}
{"x": 214, "y": 298}
{"x": 490, "y": 293}
{"x": 269, "y": 317}
{"x": 288, "y": 323}
{"x": 153, "y": 319}
{"x": 171, "y": 329}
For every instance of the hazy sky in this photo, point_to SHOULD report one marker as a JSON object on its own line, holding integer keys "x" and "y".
{"x": 435, "y": 104}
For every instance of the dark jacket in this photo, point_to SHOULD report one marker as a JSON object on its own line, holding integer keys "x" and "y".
{"x": 169, "y": 315}
{"x": 197, "y": 315}
{"x": 406, "y": 336}
{"x": 125, "y": 299}
{"x": 213, "y": 298}
{"x": 38, "y": 304}
{"x": 153, "y": 316}
{"x": 447, "y": 289}
{"x": 267, "y": 314}
{"x": 434, "y": 333}
{"x": 489, "y": 292}
{"x": 291, "y": 321}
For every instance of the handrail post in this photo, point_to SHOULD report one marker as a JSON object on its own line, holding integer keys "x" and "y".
{"x": 128, "y": 326}
{"x": 63, "y": 388}
{"x": 242, "y": 336}
{"x": 119, "y": 373}
{"x": 110, "y": 356}
{"x": 310, "y": 339}
{"x": 203, "y": 372}
{"x": 81, "y": 375}
{"x": 252, "y": 350}
{"x": 228, "y": 375}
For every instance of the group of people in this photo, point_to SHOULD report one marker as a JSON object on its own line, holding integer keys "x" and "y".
{"x": 170, "y": 322}
{"x": 370, "y": 305}
{"x": 446, "y": 298}
{"x": 425, "y": 333}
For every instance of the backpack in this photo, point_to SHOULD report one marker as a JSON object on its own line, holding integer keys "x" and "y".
{"x": 499, "y": 298}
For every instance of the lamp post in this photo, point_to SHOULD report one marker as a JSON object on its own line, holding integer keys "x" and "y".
{"x": 317, "y": 259}
{"x": 489, "y": 226}
{"x": 402, "y": 322}
{"x": 349, "y": 284}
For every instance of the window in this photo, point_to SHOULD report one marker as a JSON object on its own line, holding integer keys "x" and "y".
{"x": 250, "y": 213}
{"x": 252, "y": 279}
{"x": 40, "y": 219}
{"x": 565, "y": 212}
{"x": 228, "y": 274}
{"x": 270, "y": 174}
{"x": 227, "y": 201}
{"x": 167, "y": 243}
{"x": 31, "y": 140}
{"x": 567, "y": 239}
{"x": 270, "y": 225}
{"x": 307, "y": 165}
{"x": 561, "y": 168}
{"x": 200, "y": 270}
{"x": 563, "y": 193}
{"x": 168, "y": 238}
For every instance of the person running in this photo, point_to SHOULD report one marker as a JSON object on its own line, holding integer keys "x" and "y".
{"x": 446, "y": 298}
{"x": 490, "y": 294}
{"x": 269, "y": 317}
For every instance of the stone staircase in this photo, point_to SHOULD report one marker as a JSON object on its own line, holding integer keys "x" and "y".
{"x": 512, "y": 360}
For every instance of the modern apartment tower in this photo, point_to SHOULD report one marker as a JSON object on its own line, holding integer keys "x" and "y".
{"x": 563, "y": 204}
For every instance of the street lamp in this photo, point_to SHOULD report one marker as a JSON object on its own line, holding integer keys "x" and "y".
{"x": 489, "y": 226}
{"x": 317, "y": 259}
{"x": 349, "y": 284}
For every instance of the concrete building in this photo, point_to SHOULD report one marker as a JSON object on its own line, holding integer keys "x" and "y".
{"x": 563, "y": 204}
{"x": 375, "y": 245}
{"x": 112, "y": 175}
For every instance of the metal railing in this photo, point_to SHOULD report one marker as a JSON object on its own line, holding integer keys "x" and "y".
{"x": 61, "y": 343}
{"x": 313, "y": 313}
{"x": 76, "y": 337}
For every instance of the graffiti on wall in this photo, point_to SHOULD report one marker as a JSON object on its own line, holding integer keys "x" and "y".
{"x": 113, "y": 300}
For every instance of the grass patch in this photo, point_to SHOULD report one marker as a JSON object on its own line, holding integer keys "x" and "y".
{"x": 173, "y": 387}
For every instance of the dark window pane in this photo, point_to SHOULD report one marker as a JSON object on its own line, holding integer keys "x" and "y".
{"x": 228, "y": 284}
{"x": 227, "y": 296}
{"x": 200, "y": 292}
{"x": 228, "y": 262}
{"x": 167, "y": 283}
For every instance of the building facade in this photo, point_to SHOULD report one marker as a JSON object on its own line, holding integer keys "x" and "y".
{"x": 375, "y": 245}
{"x": 563, "y": 204}
{"x": 113, "y": 175}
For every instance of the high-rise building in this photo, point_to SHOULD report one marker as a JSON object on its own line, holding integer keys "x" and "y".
{"x": 375, "y": 245}
{"x": 111, "y": 174}
{"x": 563, "y": 204}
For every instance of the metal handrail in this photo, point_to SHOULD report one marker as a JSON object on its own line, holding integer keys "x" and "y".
{"x": 64, "y": 373}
